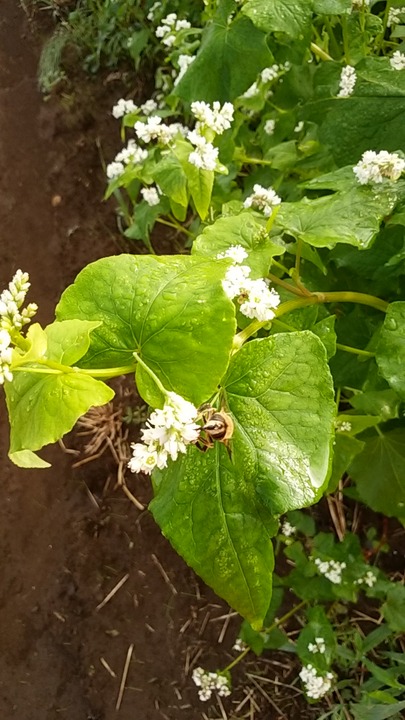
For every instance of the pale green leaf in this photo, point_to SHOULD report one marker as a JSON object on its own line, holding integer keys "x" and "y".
{"x": 393, "y": 609}
{"x": 28, "y": 459}
{"x": 290, "y": 17}
{"x": 69, "y": 340}
{"x": 390, "y": 352}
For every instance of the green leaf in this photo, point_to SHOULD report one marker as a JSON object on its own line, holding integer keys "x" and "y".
{"x": 384, "y": 403}
{"x": 206, "y": 506}
{"x": 279, "y": 391}
{"x": 28, "y": 459}
{"x": 379, "y": 472}
{"x": 143, "y": 221}
{"x": 390, "y": 353}
{"x": 171, "y": 310}
{"x": 345, "y": 450}
{"x": 200, "y": 183}
{"x": 244, "y": 230}
{"x": 238, "y": 48}
{"x": 318, "y": 626}
{"x": 171, "y": 178}
{"x": 332, "y": 7}
{"x": 292, "y": 18}
{"x": 393, "y": 609}
{"x": 364, "y": 711}
{"x": 53, "y": 402}
{"x": 385, "y": 677}
{"x": 351, "y": 217}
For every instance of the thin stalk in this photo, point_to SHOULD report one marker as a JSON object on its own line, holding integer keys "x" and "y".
{"x": 176, "y": 226}
{"x": 151, "y": 374}
{"x": 283, "y": 283}
{"x": 255, "y": 161}
{"x": 319, "y": 52}
{"x": 345, "y": 39}
{"x": 48, "y": 369}
{"x": 332, "y": 37}
{"x": 355, "y": 351}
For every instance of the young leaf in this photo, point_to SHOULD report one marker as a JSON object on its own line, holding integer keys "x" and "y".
{"x": 393, "y": 609}
{"x": 291, "y": 18}
{"x": 279, "y": 391}
{"x": 206, "y": 506}
{"x": 390, "y": 351}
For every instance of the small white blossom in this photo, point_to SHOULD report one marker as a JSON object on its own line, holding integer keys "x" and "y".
{"x": 131, "y": 153}
{"x": 210, "y": 682}
{"x": 167, "y": 433}
{"x": 260, "y": 302}
{"x": 154, "y": 129}
{"x": 359, "y": 4}
{"x": 263, "y": 199}
{"x": 299, "y": 126}
{"x": 218, "y": 119}
{"x": 269, "y": 127}
{"x": 347, "y": 81}
{"x": 151, "y": 13}
{"x": 123, "y": 107}
{"x": 369, "y": 579}
{"x": 5, "y": 356}
{"x": 394, "y": 16}
{"x": 397, "y": 61}
{"x": 184, "y": 63}
{"x": 150, "y": 195}
{"x": 149, "y": 107}
{"x": 205, "y": 155}
{"x": 114, "y": 170}
{"x": 331, "y": 569}
{"x": 234, "y": 282}
{"x": 343, "y": 426}
{"x": 11, "y": 301}
{"x": 374, "y": 167}
{"x": 269, "y": 73}
{"x": 318, "y": 646}
{"x": 287, "y": 529}
{"x": 239, "y": 645}
{"x": 169, "y": 29}
{"x": 236, "y": 252}
{"x": 252, "y": 91}
{"x": 316, "y": 686}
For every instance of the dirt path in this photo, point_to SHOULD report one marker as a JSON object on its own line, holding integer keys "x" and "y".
{"x": 60, "y": 554}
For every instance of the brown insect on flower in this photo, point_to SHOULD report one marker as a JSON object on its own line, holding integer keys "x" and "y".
{"x": 218, "y": 427}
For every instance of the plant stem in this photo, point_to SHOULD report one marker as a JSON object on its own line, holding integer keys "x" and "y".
{"x": 255, "y": 161}
{"x": 319, "y": 52}
{"x": 283, "y": 283}
{"x": 151, "y": 374}
{"x": 275, "y": 624}
{"x": 355, "y": 351}
{"x": 176, "y": 226}
{"x": 51, "y": 368}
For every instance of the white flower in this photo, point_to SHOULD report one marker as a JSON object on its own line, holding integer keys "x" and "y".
{"x": 131, "y": 153}
{"x": 205, "y": 155}
{"x": 260, "y": 302}
{"x": 397, "y": 61}
{"x": 374, "y": 167}
{"x": 216, "y": 118}
{"x": 343, "y": 426}
{"x": 239, "y": 645}
{"x": 184, "y": 63}
{"x": 252, "y": 91}
{"x": 11, "y": 301}
{"x": 234, "y": 282}
{"x": 149, "y": 107}
{"x": 210, "y": 682}
{"x": 263, "y": 199}
{"x": 150, "y": 195}
{"x": 169, "y": 29}
{"x": 269, "y": 127}
{"x": 5, "y": 357}
{"x": 394, "y": 16}
{"x": 270, "y": 73}
{"x": 167, "y": 433}
{"x": 369, "y": 579}
{"x": 316, "y": 686}
{"x": 299, "y": 126}
{"x": 331, "y": 569}
{"x": 123, "y": 107}
{"x": 114, "y": 170}
{"x": 347, "y": 81}
{"x": 151, "y": 13}
{"x": 318, "y": 646}
{"x": 359, "y": 4}
{"x": 287, "y": 529}
{"x": 154, "y": 129}
{"x": 236, "y": 252}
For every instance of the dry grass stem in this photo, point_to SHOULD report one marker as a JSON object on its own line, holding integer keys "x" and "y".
{"x": 164, "y": 574}
{"x": 107, "y": 667}
{"x": 112, "y": 592}
{"x": 225, "y": 627}
{"x": 124, "y": 677}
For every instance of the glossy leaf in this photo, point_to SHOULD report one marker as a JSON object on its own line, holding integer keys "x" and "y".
{"x": 280, "y": 393}
{"x": 206, "y": 506}
{"x": 390, "y": 353}
{"x": 292, "y": 18}
{"x": 171, "y": 310}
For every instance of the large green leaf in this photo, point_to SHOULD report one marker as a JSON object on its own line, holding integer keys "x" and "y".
{"x": 390, "y": 353}
{"x": 353, "y": 217}
{"x": 238, "y": 48}
{"x": 393, "y": 609}
{"x": 171, "y": 178}
{"x": 43, "y": 407}
{"x": 206, "y": 506}
{"x": 292, "y": 17}
{"x": 241, "y": 230}
{"x": 332, "y": 7}
{"x": 171, "y": 310}
{"x": 379, "y": 472}
{"x": 279, "y": 390}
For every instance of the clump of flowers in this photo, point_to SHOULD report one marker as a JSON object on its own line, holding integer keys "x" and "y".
{"x": 269, "y": 127}
{"x": 375, "y": 167}
{"x": 13, "y": 319}
{"x": 397, "y": 61}
{"x": 254, "y": 296}
{"x": 184, "y": 62}
{"x": 154, "y": 129}
{"x": 394, "y": 16}
{"x": 343, "y": 426}
{"x": 239, "y": 645}
{"x": 318, "y": 646}
{"x": 316, "y": 686}
{"x": 132, "y": 153}
{"x": 267, "y": 76}
{"x": 368, "y": 579}
{"x": 264, "y": 199}
{"x": 167, "y": 32}
{"x": 359, "y": 4}
{"x": 123, "y": 107}
{"x": 287, "y": 529}
{"x": 205, "y": 155}
{"x": 210, "y": 682}
{"x": 151, "y": 195}
{"x": 331, "y": 569}
{"x": 347, "y": 81}
{"x": 167, "y": 433}
{"x": 216, "y": 119}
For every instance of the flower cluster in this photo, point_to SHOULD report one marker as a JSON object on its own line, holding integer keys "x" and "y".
{"x": 123, "y": 107}
{"x": 254, "y": 296}
{"x": 184, "y": 62}
{"x": 316, "y": 686}
{"x": 263, "y": 199}
{"x": 5, "y": 357}
{"x": 359, "y": 4}
{"x": 269, "y": 127}
{"x": 154, "y": 129}
{"x": 205, "y": 155}
{"x": 11, "y": 301}
{"x": 368, "y": 579}
{"x": 266, "y": 76}
{"x": 210, "y": 682}
{"x": 397, "y": 61}
{"x": 287, "y": 529}
{"x": 132, "y": 153}
{"x": 167, "y": 433}
{"x": 347, "y": 81}
{"x": 239, "y": 645}
{"x": 331, "y": 569}
{"x": 374, "y": 167}
{"x": 218, "y": 119}
{"x": 151, "y": 195}
{"x": 394, "y": 16}
{"x": 156, "y": 6}
{"x": 318, "y": 646}
{"x": 343, "y": 426}
{"x": 169, "y": 28}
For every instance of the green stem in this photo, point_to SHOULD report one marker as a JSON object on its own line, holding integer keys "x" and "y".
{"x": 355, "y": 351}
{"x": 151, "y": 374}
{"x": 345, "y": 39}
{"x": 283, "y": 283}
{"x": 332, "y": 37}
{"x": 255, "y": 161}
{"x": 319, "y": 52}
{"x": 176, "y": 226}
{"x": 275, "y": 624}
{"x": 52, "y": 368}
